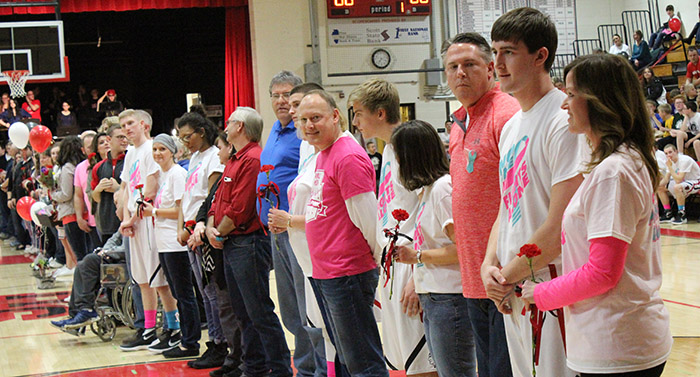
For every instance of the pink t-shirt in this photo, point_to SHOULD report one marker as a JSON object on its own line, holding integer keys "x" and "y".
{"x": 337, "y": 246}
{"x": 80, "y": 180}
{"x": 475, "y": 187}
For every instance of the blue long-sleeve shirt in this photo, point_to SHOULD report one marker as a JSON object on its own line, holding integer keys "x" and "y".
{"x": 282, "y": 152}
{"x": 641, "y": 52}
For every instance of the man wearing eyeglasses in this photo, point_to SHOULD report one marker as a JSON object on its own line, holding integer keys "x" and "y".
{"x": 282, "y": 151}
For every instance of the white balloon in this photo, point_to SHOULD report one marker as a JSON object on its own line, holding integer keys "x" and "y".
{"x": 19, "y": 134}
{"x": 34, "y": 209}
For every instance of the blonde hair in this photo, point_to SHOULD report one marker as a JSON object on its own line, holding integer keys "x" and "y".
{"x": 375, "y": 94}
{"x": 139, "y": 115}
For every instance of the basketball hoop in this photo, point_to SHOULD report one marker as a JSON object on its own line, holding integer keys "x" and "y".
{"x": 16, "y": 81}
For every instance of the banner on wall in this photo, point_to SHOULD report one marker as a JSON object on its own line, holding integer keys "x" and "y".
{"x": 366, "y": 31}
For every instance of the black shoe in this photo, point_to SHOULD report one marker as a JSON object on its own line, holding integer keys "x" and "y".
{"x": 178, "y": 352}
{"x": 214, "y": 357}
{"x": 210, "y": 348}
{"x": 142, "y": 342}
{"x": 130, "y": 339}
{"x": 168, "y": 340}
{"x": 222, "y": 371}
{"x": 236, "y": 372}
{"x": 667, "y": 217}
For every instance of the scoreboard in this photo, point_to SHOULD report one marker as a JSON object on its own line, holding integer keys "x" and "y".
{"x": 378, "y": 8}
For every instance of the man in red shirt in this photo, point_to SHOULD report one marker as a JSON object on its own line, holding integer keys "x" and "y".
{"x": 32, "y": 105}
{"x": 692, "y": 75}
{"x": 474, "y": 169}
{"x": 233, "y": 225}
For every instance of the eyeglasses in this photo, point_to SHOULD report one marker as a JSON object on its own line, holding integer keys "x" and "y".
{"x": 277, "y": 96}
{"x": 187, "y": 137}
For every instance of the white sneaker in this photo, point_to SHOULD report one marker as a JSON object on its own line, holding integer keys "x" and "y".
{"x": 63, "y": 271}
{"x": 31, "y": 250}
{"x": 67, "y": 299}
{"x": 54, "y": 264}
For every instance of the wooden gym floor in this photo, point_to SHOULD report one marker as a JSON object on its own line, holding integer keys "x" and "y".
{"x": 29, "y": 345}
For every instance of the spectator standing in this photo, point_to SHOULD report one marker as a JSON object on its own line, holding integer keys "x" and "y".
{"x": 32, "y": 106}
{"x": 106, "y": 179}
{"x": 282, "y": 151}
{"x": 233, "y": 225}
{"x": 474, "y": 165}
{"x": 111, "y": 107}
{"x": 342, "y": 202}
{"x": 610, "y": 232}
{"x": 376, "y": 105}
{"x": 539, "y": 172}
{"x": 376, "y": 159}
{"x": 67, "y": 123}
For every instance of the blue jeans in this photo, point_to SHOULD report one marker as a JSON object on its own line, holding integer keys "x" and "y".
{"x": 309, "y": 351}
{"x": 449, "y": 334}
{"x": 340, "y": 369}
{"x": 209, "y": 299}
{"x": 176, "y": 266}
{"x": 19, "y": 232}
{"x": 348, "y": 304}
{"x": 247, "y": 263}
{"x": 135, "y": 289}
{"x": 490, "y": 336}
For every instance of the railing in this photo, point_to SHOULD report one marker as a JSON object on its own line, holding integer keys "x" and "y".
{"x": 606, "y": 32}
{"x": 586, "y": 46}
{"x": 638, "y": 20}
{"x": 560, "y": 62}
{"x": 654, "y": 14}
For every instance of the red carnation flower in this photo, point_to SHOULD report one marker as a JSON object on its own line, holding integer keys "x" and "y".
{"x": 190, "y": 224}
{"x": 91, "y": 156}
{"x": 400, "y": 214}
{"x": 266, "y": 168}
{"x": 529, "y": 251}
{"x": 139, "y": 187}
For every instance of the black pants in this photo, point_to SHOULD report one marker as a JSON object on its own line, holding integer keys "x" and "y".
{"x": 176, "y": 266}
{"x": 651, "y": 372}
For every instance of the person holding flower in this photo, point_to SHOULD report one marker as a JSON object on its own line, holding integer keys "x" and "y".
{"x": 424, "y": 168}
{"x": 165, "y": 212}
{"x": 342, "y": 204}
{"x": 616, "y": 322}
{"x": 198, "y": 135}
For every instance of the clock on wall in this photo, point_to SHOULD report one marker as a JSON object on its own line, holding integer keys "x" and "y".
{"x": 381, "y": 58}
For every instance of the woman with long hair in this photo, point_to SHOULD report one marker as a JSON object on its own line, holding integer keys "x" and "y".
{"x": 423, "y": 167}
{"x": 653, "y": 87}
{"x": 13, "y": 113}
{"x": 69, "y": 156}
{"x": 616, "y": 322}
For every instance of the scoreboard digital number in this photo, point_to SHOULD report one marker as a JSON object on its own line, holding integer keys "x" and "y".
{"x": 378, "y": 8}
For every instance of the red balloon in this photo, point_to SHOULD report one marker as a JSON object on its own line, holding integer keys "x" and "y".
{"x": 24, "y": 206}
{"x": 40, "y": 138}
{"x": 675, "y": 25}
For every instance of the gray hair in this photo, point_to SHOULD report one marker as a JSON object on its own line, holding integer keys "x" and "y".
{"x": 285, "y": 77}
{"x": 167, "y": 142}
{"x": 471, "y": 38}
{"x": 252, "y": 122}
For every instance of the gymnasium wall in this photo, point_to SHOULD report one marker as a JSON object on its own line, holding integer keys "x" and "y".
{"x": 282, "y": 37}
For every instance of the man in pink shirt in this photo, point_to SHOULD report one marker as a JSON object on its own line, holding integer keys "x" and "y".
{"x": 474, "y": 169}
{"x": 342, "y": 204}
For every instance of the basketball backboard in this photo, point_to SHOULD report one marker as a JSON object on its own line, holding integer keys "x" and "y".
{"x": 36, "y": 46}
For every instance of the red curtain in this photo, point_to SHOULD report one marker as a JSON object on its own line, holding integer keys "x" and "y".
{"x": 74, "y": 6}
{"x": 238, "y": 87}
{"x": 239, "y": 61}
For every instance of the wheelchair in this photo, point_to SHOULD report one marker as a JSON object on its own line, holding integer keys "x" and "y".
{"x": 114, "y": 302}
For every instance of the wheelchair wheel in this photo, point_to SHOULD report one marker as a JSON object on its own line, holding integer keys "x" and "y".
{"x": 126, "y": 306}
{"x": 105, "y": 328}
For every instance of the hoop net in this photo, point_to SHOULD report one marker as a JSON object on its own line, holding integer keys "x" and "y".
{"x": 16, "y": 81}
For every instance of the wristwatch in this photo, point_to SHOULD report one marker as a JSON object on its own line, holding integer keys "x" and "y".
{"x": 153, "y": 212}
{"x": 418, "y": 254}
